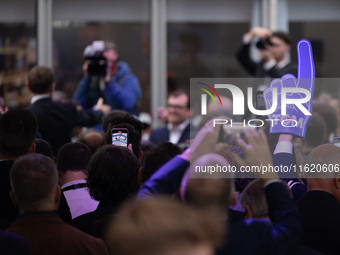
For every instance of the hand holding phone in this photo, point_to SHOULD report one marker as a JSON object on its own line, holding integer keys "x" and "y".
{"x": 336, "y": 141}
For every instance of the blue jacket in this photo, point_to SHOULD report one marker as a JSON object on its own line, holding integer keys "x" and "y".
{"x": 122, "y": 92}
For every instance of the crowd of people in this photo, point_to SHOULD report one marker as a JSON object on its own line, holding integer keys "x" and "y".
{"x": 65, "y": 191}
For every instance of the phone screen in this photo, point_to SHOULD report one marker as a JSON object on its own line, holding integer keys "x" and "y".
{"x": 120, "y": 137}
{"x": 260, "y": 104}
{"x": 336, "y": 141}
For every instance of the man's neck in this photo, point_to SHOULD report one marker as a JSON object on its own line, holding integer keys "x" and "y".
{"x": 175, "y": 126}
{"x": 37, "y": 97}
{"x": 70, "y": 176}
{"x": 282, "y": 60}
{"x": 320, "y": 184}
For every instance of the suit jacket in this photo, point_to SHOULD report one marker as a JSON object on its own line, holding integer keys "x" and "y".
{"x": 160, "y": 135}
{"x": 254, "y": 236}
{"x": 257, "y": 70}
{"x": 94, "y": 223}
{"x": 46, "y": 233}
{"x": 7, "y": 210}
{"x": 286, "y": 159}
{"x": 56, "y": 120}
{"x": 12, "y": 244}
{"x": 320, "y": 216}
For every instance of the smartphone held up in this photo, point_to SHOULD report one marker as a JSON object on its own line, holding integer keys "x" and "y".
{"x": 120, "y": 137}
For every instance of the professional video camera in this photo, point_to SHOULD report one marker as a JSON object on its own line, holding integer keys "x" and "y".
{"x": 261, "y": 44}
{"x": 98, "y": 63}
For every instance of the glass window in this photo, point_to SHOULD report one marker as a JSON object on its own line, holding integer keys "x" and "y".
{"x": 77, "y": 25}
{"x": 325, "y": 42}
{"x": 71, "y": 38}
{"x": 203, "y": 50}
{"x": 17, "y": 51}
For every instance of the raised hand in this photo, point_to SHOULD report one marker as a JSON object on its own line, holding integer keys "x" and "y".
{"x": 101, "y": 106}
{"x": 293, "y": 114}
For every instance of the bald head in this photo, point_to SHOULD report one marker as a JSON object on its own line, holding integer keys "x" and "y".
{"x": 203, "y": 189}
{"x": 324, "y": 150}
{"x": 323, "y": 155}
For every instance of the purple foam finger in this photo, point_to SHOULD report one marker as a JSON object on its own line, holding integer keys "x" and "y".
{"x": 306, "y": 70}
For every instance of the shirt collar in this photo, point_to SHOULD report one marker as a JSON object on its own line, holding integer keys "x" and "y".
{"x": 283, "y": 63}
{"x": 72, "y": 183}
{"x": 181, "y": 126}
{"x": 38, "y": 97}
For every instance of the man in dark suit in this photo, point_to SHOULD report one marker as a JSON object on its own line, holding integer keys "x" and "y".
{"x": 35, "y": 190}
{"x": 12, "y": 244}
{"x": 56, "y": 120}
{"x": 178, "y": 129}
{"x": 273, "y": 49}
{"x": 320, "y": 206}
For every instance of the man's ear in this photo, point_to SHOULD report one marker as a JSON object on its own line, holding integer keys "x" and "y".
{"x": 140, "y": 156}
{"x": 189, "y": 113}
{"x": 140, "y": 176}
{"x": 59, "y": 175}
{"x": 51, "y": 89}
{"x": 13, "y": 199}
{"x": 249, "y": 214}
{"x": 234, "y": 198}
{"x": 57, "y": 196}
{"x": 32, "y": 148}
{"x": 337, "y": 181}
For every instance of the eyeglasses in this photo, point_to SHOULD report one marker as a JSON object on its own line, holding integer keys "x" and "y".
{"x": 176, "y": 107}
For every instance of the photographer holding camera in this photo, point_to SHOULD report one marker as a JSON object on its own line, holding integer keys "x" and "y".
{"x": 107, "y": 77}
{"x": 273, "y": 48}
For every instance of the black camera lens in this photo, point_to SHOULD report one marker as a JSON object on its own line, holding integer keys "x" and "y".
{"x": 261, "y": 44}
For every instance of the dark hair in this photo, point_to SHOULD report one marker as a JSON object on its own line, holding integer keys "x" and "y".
{"x": 33, "y": 180}
{"x": 109, "y": 45}
{"x": 18, "y": 129}
{"x": 43, "y": 147}
{"x": 283, "y": 36}
{"x": 179, "y": 92}
{"x": 146, "y": 146}
{"x": 93, "y": 138}
{"x": 40, "y": 79}
{"x": 113, "y": 174}
{"x": 116, "y": 117}
{"x": 157, "y": 157}
{"x": 134, "y": 137}
{"x": 73, "y": 157}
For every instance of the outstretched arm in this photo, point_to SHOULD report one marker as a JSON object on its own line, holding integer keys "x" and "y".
{"x": 286, "y": 230}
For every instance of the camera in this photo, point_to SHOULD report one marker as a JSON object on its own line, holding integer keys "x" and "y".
{"x": 97, "y": 61}
{"x": 261, "y": 44}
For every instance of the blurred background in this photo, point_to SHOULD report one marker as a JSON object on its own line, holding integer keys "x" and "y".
{"x": 165, "y": 42}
